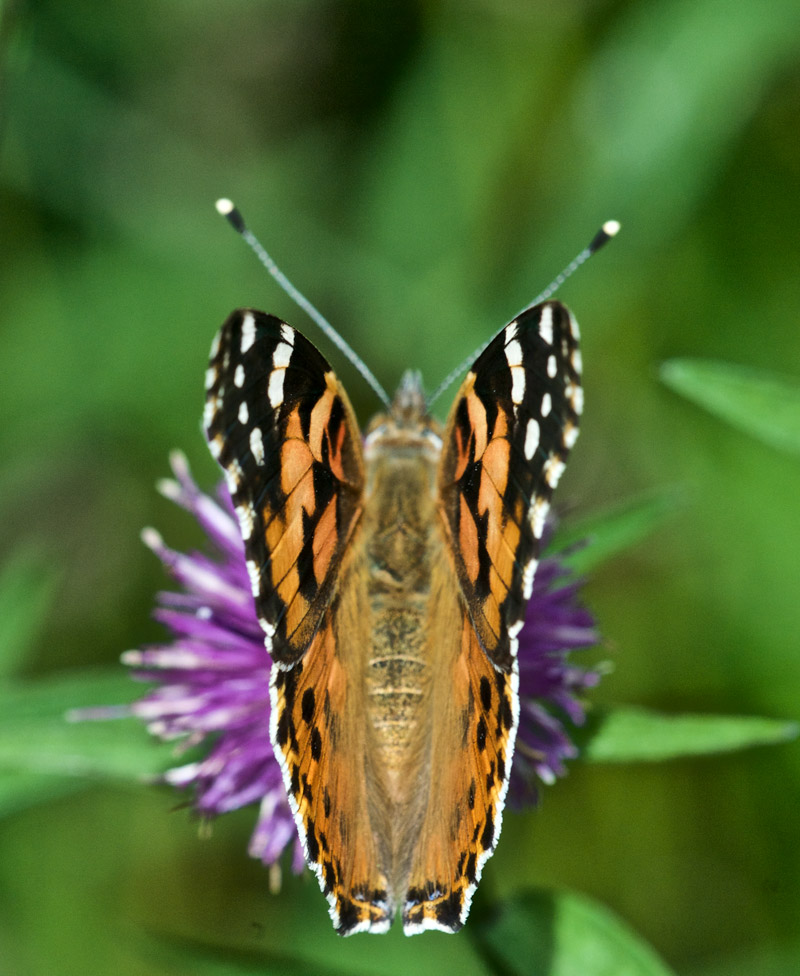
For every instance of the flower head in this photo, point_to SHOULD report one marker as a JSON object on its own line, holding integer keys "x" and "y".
{"x": 212, "y": 676}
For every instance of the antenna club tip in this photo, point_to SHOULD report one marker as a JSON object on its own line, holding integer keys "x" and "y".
{"x": 227, "y": 209}
{"x": 609, "y": 229}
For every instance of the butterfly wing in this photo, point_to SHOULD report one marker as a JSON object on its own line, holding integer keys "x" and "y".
{"x": 476, "y": 708}
{"x": 318, "y": 736}
{"x": 508, "y": 437}
{"x": 283, "y": 430}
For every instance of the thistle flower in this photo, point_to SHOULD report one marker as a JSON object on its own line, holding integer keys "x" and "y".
{"x": 212, "y": 676}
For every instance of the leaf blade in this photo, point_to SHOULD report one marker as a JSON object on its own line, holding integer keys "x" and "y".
{"x": 756, "y": 402}
{"x": 36, "y": 736}
{"x": 566, "y": 934}
{"x": 628, "y": 734}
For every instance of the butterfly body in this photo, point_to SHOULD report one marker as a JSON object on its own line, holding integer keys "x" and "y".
{"x": 391, "y": 578}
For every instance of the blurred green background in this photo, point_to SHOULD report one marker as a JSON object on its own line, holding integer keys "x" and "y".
{"x": 421, "y": 171}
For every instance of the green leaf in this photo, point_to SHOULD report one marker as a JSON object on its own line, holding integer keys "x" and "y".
{"x": 35, "y": 735}
{"x": 565, "y": 934}
{"x": 637, "y": 735}
{"x": 615, "y": 529}
{"x": 26, "y": 590}
{"x": 754, "y": 401}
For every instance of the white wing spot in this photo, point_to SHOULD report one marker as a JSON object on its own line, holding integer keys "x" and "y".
{"x": 514, "y": 353}
{"x": 577, "y": 361}
{"x": 246, "y": 519}
{"x": 547, "y": 404}
{"x": 244, "y": 413}
{"x": 288, "y": 334}
{"x": 546, "y": 325}
{"x": 236, "y": 472}
{"x": 215, "y": 446}
{"x": 282, "y": 355}
{"x": 532, "y": 434}
{"x": 238, "y": 376}
{"x": 553, "y": 470}
{"x": 214, "y": 346}
{"x": 211, "y": 377}
{"x": 570, "y": 436}
{"x": 527, "y": 579}
{"x": 231, "y": 481}
{"x": 257, "y": 445}
{"x": 517, "y": 384}
{"x": 515, "y": 628}
{"x": 552, "y": 366}
{"x": 538, "y": 516}
{"x": 511, "y": 331}
{"x": 255, "y": 577}
{"x": 248, "y": 332}
{"x": 275, "y": 388}
{"x": 573, "y": 326}
{"x": 209, "y": 411}
{"x": 576, "y": 399}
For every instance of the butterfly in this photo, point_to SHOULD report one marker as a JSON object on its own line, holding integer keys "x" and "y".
{"x": 391, "y": 573}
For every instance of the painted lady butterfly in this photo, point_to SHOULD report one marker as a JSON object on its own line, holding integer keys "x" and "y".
{"x": 390, "y": 576}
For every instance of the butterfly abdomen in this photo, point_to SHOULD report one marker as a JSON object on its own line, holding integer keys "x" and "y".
{"x": 399, "y": 539}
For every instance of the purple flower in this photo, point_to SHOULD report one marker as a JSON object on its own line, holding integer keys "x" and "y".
{"x": 212, "y": 676}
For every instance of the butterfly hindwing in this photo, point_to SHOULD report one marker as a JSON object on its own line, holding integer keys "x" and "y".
{"x": 318, "y": 738}
{"x": 508, "y": 436}
{"x": 473, "y": 743}
{"x": 283, "y": 430}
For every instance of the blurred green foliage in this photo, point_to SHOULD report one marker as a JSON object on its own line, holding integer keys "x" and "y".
{"x": 420, "y": 170}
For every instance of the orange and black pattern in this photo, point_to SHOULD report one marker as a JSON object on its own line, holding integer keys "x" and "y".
{"x": 282, "y": 428}
{"x": 508, "y": 437}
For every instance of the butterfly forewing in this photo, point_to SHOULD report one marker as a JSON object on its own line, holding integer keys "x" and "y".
{"x": 510, "y": 431}
{"x": 282, "y": 428}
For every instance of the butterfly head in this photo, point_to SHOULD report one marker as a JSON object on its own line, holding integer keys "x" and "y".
{"x": 407, "y": 420}
{"x": 409, "y": 407}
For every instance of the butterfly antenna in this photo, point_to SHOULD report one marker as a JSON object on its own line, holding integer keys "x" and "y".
{"x": 609, "y": 229}
{"x": 234, "y": 217}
